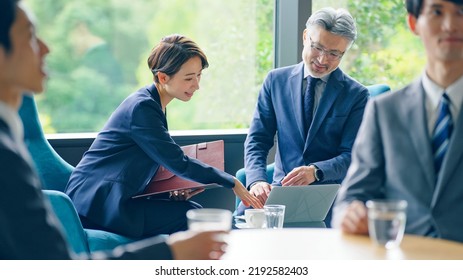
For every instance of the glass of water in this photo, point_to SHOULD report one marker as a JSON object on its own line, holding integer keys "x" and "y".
{"x": 275, "y": 215}
{"x": 386, "y": 221}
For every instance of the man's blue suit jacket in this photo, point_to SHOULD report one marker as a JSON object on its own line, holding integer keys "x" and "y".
{"x": 279, "y": 111}
{"x": 122, "y": 160}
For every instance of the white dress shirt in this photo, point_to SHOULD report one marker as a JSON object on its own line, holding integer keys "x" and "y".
{"x": 434, "y": 94}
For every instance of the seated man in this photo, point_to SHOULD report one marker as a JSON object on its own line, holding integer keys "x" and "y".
{"x": 315, "y": 121}
{"x": 409, "y": 145}
{"x": 30, "y": 229}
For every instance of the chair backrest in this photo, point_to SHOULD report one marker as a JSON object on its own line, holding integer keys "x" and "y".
{"x": 67, "y": 215}
{"x": 378, "y": 89}
{"x": 53, "y": 170}
{"x": 241, "y": 176}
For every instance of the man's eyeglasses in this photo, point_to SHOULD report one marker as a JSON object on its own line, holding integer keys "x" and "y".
{"x": 318, "y": 50}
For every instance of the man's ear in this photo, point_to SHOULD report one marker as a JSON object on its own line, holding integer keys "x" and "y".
{"x": 304, "y": 36}
{"x": 411, "y": 21}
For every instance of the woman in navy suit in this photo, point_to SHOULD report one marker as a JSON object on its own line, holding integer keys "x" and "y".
{"x": 30, "y": 229}
{"x": 135, "y": 142}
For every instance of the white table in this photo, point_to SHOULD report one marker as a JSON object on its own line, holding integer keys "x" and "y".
{"x": 331, "y": 244}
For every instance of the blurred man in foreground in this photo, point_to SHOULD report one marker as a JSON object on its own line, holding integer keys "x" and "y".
{"x": 409, "y": 145}
{"x": 30, "y": 229}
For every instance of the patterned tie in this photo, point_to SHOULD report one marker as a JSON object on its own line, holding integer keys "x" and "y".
{"x": 309, "y": 99}
{"x": 442, "y": 132}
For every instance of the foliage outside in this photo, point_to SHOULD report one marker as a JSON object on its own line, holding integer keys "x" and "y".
{"x": 386, "y": 51}
{"x": 99, "y": 52}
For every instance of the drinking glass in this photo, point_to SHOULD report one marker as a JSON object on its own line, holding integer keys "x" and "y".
{"x": 386, "y": 221}
{"x": 275, "y": 215}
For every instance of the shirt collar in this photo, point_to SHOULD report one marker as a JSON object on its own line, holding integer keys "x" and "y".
{"x": 434, "y": 92}
{"x": 455, "y": 92}
{"x": 12, "y": 120}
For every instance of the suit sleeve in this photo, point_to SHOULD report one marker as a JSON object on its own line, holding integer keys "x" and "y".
{"x": 29, "y": 229}
{"x": 334, "y": 169}
{"x": 261, "y": 135}
{"x": 154, "y": 248}
{"x": 366, "y": 174}
{"x": 150, "y": 133}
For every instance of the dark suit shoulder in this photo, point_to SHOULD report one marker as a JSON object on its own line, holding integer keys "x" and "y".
{"x": 393, "y": 98}
{"x": 143, "y": 97}
{"x": 283, "y": 75}
{"x": 7, "y": 144}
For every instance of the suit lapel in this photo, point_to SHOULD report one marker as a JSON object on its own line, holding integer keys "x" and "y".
{"x": 332, "y": 90}
{"x": 451, "y": 159}
{"x": 413, "y": 104}
{"x": 295, "y": 81}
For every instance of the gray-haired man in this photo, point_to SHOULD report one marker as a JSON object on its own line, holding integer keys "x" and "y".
{"x": 314, "y": 109}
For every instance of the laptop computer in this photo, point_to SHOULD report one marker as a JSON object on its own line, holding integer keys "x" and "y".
{"x": 305, "y": 205}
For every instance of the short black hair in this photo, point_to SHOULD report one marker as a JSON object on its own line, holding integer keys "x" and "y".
{"x": 414, "y": 7}
{"x": 7, "y": 18}
{"x": 171, "y": 53}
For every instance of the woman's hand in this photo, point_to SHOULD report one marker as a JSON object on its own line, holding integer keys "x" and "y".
{"x": 246, "y": 197}
{"x": 183, "y": 195}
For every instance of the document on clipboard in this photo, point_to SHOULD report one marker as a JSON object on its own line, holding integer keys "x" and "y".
{"x": 211, "y": 153}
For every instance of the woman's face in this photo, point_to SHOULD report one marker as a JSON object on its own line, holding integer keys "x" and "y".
{"x": 185, "y": 82}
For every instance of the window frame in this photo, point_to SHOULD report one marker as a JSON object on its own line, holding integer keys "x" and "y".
{"x": 288, "y": 47}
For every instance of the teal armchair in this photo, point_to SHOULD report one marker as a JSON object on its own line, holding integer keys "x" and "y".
{"x": 374, "y": 90}
{"x": 241, "y": 176}
{"x": 54, "y": 173}
{"x": 52, "y": 169}
{"x": 378, "y": 89}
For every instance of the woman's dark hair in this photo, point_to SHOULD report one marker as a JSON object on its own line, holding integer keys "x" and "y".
{"x": 414, "y": 6}
{"x": 7, "y": 18}
{"x": 171, "y": 53}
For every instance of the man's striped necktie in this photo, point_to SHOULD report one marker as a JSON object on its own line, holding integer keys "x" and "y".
{"x": 442, "y": 132}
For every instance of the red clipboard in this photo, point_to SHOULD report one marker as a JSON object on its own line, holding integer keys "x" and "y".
{"x": 211, "y": 153}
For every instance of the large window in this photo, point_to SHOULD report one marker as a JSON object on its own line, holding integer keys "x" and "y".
{"x": 99, "y": 51}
